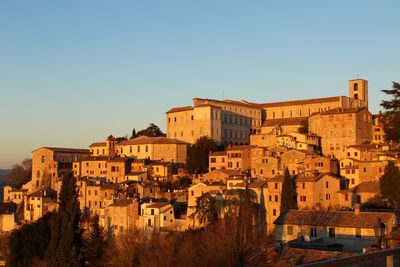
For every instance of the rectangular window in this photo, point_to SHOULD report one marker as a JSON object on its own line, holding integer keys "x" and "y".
{"x": 332, "y": 233}
{"x": 289, "y": 230}
{"x": 313, "y": 232}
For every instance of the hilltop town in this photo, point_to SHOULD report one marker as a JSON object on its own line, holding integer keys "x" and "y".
{"x": 331, "y": 151}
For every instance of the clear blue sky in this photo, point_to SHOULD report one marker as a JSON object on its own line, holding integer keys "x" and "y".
{"x": 73, "y": 72}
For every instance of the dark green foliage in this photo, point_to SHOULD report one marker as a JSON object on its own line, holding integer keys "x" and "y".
{"x": 303, "y": 127}
{"x": 288, "y": 201}
{"x": 20, "y": 173}
{"x": 197, "y": 160}
{"x": 392, "y": 113}
{"x": 133, "y": 135}
{"x": 151, "y": 131}
{"x": 121, "y": 138}
{"x": 390, "y": 184}
{"x": 66, "y": 236}
{"x": 376, "y": 202}
{"x": 30, "y": 242}
{"x": 95, "y": 243}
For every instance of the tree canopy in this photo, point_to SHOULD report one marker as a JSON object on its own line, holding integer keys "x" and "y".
{"x": 94, "y": 245}
{"x": 303, "y": 127}
{"x": 152, "y": 131}
{"x": 66, "y": 236}
{"x": 392, "y": 113}
{"x": 390, "y": 184}
{"x": 197, "y": 160}
{"x": 30, "y": 242}
{"x": 20, "y": 173}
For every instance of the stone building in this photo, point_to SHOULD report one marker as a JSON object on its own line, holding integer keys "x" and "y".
{"x": 233, "y": 158}
{"x": 156, "y": 216}
{"x": 359, "y": 194}
{"x": 121, "y": 215}
{"x": 50, "y": 163}
{"x": 143, "y": 147}
{"x": 319, "y": 190}
{"x": 94, "y": 195}
{"x": 353, "y": 230}
{"x": 226, "y": 122}
{"x": 38, "y": 203}
{"x": 340, "y": 128}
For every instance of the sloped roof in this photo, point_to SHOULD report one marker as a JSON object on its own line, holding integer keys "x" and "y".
{"x": 333, "y": 218}
{"x": 300, "y": 102}
{"x": 179, "y": 109}
{"x": 46, "y": 192}
{"x": 66, "y": 150}
{"x": 283, "y": 121}
{"x": 98, "y": 144}
{"x": 158, "y": 205}
{"x": 218, "y": 153}
{"x": 145, "y": 140}
{"x": 122, "y": 202}
{"x": 238, "y": 147}
{"x": 341, "y": 111}
{"x": 365, "y": 187}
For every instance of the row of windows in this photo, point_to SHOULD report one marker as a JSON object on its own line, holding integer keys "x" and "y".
{"x": 331, "y": 232}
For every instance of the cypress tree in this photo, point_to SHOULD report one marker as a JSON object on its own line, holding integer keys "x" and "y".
{"x": 66, "y": 236}
{"x": 390, "y": 184}
{"x": 288, "y": 198}
{"x": 95, "y": 243}
{"x": 392, "y": 113}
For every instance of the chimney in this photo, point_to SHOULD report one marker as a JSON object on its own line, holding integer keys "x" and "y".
{"x": 357, "y": 209}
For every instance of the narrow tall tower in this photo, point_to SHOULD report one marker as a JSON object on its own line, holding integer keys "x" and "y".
{"x": 358, "y": 89}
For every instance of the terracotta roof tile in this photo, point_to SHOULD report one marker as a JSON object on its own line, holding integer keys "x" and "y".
{"x": 144, "y": 140}
{"x": 179, "y": 109}
{"x": 284, "y": 121}
{"x": 301, "y": 102}
{"x": 98, "y": 144}
{"x": 333, "y": 218}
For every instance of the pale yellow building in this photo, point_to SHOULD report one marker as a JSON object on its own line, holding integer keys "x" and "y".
{"x": 226, "y": 122}
{"x": 234, "y": 158}
{"x": 354, "y": 230}
{"x": 38, "y": 203}
{"x": 14, "y": 195}
{"x": 156, "y": 216}
{"x": 319, "y": 190}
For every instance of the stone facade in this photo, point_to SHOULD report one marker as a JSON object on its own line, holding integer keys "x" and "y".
{"x": 340, "y": 128}
{"x": 50, "y": 163}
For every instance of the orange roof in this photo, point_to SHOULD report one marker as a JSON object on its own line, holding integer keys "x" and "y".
{"x": 179, "y": 109}
{"x": 66, "y": 150}
{"x": 145, "y": 140}
{"x": 98, "y": 144}
{"x": 284, "y": 121}
{"x": 300, "y": 102}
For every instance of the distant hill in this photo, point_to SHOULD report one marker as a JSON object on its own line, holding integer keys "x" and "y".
{"x": 3, "y": 181}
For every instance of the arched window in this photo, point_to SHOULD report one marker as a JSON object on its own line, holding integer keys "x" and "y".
{"x": 355, "y": 96}
{"x": 37, "y": 174}
{"x": 355, "y": 87}
{"x": 42, "y": 159}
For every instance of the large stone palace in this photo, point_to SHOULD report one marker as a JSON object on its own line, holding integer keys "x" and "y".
{"x": 232, "y": 122}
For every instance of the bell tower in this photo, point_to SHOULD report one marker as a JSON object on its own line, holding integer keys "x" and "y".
{"x": 358, "y": 89}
